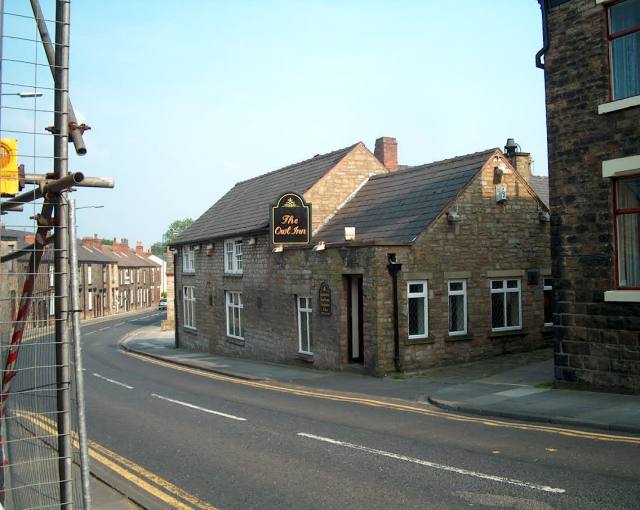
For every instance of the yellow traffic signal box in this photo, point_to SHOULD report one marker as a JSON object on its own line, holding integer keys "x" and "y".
{"x": 9, "y": 175}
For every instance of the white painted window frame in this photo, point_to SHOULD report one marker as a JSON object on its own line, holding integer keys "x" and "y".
{"x": 304, "y": 310}
{"x": 233, "y": 262}
{"x": 417, "y": 295}
{"x": 506, "y": 290}
{"x": 189, "y": 306}
{"x": 462, "y": 293}
{"x": 230, "y": 307}
{"x": 188, "y": 260}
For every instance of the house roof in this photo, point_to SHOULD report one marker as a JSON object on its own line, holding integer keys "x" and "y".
{"x": 245, "y": 208}
{"x": 129, "y": 258}
{"x": 399, "y": 205}
{"x": 540, "y": 184}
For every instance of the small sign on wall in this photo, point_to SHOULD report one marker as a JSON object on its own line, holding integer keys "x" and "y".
{"x": 324, "y": 295}
{"x": 501, "y": 194}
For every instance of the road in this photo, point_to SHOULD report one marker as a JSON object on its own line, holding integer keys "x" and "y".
{"x": 210, "y": 442}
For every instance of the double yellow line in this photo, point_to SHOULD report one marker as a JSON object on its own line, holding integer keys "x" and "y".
{"x": 408, "y": 408}
{"x": 158, "y": 487}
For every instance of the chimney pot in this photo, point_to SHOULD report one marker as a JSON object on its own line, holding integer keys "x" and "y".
{"x": 386, "y": 151}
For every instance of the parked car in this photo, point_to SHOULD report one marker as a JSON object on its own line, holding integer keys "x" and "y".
{"x": 162, "y": 305}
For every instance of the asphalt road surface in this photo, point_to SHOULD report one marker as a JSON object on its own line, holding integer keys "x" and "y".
{"x": 209, "y": 442}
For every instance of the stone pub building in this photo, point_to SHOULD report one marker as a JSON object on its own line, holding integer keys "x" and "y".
{"x": 405, "y": 268}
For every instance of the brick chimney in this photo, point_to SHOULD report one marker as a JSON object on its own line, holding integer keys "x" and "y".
{"x": 87, "y": 242}
{"x": 139, "y": 248}
{"x": 519, "y": 160}
{"x": 121, "y": 247}
{"x": 97, "y": 242}
{"x": 29, "y": 238}
{"x": 386, "y": 152}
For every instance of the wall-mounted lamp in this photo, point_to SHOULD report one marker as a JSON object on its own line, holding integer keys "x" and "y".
{"x": 278, "y": 249}
{"x": 251, "y": 241}
{"x": 319, "y": 247}
{"x": 209, "y": 249}
{"x": 454, "y": 217}
{"x": 195, "y": 247}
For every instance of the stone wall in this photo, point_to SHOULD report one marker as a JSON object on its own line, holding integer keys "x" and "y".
{"x": 340, "y": 182}
{"x": 597, "y": 342}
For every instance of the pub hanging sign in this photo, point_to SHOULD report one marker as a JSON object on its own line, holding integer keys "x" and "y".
{"x": 291, "y": 220}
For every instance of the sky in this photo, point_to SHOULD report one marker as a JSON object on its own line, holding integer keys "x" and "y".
{"x": 185, "y": 99}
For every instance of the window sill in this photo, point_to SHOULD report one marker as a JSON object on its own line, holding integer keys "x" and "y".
{"x": 235, "y": 341}
{"x": 418, "y": 341}
{"x": 622, "y": 296}
{"x": 509, "y": 332}
{"x": 459, "y": 338}
{"x": 190, "y": 329}
{"x": 621, "y": 166}
{"x": 233, "y": 275}
{"x": 305, "y": 356}
{"x": 188, "y": 273}
{"x": 620, "y": 104}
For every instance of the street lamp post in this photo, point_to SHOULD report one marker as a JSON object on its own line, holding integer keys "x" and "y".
{"x": 23, "y": 94}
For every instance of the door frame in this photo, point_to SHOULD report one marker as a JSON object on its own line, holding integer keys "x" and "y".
{"x": 357, "y": 280}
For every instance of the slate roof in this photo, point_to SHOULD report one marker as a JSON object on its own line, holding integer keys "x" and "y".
{"x": 540, "y": 184}
{"x": 399, "y": 205}
{"x": 129, "y": 259}
{"x": 245, "y": 208}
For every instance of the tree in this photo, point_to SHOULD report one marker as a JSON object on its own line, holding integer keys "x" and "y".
{"x": 175, "y": 229}
{"x": 157, "y": 249}
{"x": 172, "y": 233}
{"x": 107, "y": 242}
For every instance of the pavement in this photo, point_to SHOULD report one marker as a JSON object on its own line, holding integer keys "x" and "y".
{"x": 515, "y": 386}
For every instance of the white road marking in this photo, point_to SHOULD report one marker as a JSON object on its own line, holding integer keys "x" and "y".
{"x": 106, "y": 327}
{"x": 112, "y": 381}
{"x": 230, "y": 416}
{"x": 443, "y": 467}
{"x": 90, "y": 333}
{"x": 119, "y": 324}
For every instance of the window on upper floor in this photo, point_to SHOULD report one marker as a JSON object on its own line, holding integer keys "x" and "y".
{"x": 188, "y": 260}
{"x": 506, "y": 305}
{"x": 89, "y": 275}
{"x": 417, "y": 312}
{"x": 624, "y": 48}
{"x": 627, "y": 231}
{"x": 104, "y": 274}
{"x": 233, "y": 256}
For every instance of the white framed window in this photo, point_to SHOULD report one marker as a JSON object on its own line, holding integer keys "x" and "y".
{"x": 189, "y": 306}
{"x": 506, "y": 305}
{"x": 548, "y": 302}
{"x": 234, "y": 305}
{"x": 144, "y": 276}
{"x": 233, "y": 256}
{"x": 52, "y": 302}
{"x": 89, "y": 278}
{"x": 457, "y": 290}
{"x": 127, "y": 276}
{"x": 188, "y": 260}
{"x": 52, "y": 274}
{"x": 89, "y": 301}
{"x": 304, "y": 325}
{"x": 104, "y": 274}
{"x": 417, "y": 309}
{"x": 623, "y": 33}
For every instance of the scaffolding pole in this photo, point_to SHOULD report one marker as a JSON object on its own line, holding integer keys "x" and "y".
{"x": 61, "y": 243}
{"x": 75, "y": 310}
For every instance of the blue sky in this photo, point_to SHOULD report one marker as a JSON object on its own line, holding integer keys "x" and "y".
{"x": 187, "y": 98}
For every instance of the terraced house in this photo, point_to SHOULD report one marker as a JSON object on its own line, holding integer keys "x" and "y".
{"x": 406, "y": 268}
{"x": 592, "y": 77}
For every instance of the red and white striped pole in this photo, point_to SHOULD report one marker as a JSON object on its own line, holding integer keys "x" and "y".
{"x": 44, "y": 225}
